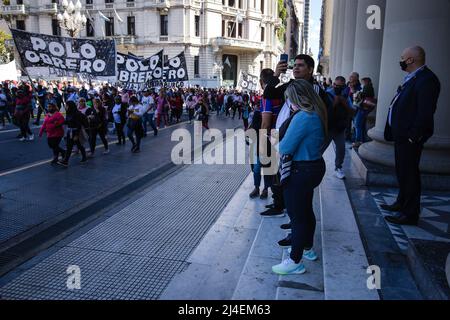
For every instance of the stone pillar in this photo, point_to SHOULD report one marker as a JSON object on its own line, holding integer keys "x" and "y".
{"x": 348, "y": 48}
{"x": 408, "y": 23}
{"x": 334, "y": 35}
{"x": 368, "y": 43}
{"x": 340, "y": 36}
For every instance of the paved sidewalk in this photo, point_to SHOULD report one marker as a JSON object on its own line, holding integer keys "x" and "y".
{"x": 135, "y": 252}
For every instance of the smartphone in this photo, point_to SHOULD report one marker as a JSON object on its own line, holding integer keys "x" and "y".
{"x": 284, "y": 57}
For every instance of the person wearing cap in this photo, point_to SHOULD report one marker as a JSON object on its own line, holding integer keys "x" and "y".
{"x": 53, "y": 126}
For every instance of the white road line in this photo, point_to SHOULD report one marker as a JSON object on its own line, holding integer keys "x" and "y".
{"x": 39, "y": 163}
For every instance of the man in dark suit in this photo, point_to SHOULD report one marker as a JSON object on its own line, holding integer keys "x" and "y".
{"x": 410, "y": 125}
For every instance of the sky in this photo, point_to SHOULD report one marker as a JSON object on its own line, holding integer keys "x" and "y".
{"x": 314, "y": 21}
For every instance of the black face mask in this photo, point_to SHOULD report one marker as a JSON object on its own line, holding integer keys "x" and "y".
{"x": 403, "y": 65}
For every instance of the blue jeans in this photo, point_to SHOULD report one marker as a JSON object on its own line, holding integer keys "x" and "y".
{"x": 298, "y": 197}
{"x": 360, "y": 125}
{"x": 148, "y": 117}
{"x": 257, "y": 176}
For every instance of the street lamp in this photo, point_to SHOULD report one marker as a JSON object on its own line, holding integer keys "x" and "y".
{"x": 71, "y": 19}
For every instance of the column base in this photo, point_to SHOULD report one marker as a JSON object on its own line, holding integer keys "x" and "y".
{"x": 435, "y": 157}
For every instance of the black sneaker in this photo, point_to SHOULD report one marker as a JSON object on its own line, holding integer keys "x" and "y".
{"x": 274, "y": 213}
{"x": 63, "y": 163}
{"x": 286, "y": 242}
{"x": 270, "y": 206}
{"x": 264, "y": 194}
{"x": 286, "y": 226}
{"x": 136, "y": 150}
{"x": 254, "y": 194}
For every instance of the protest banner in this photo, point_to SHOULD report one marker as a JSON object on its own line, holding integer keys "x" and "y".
{"x": 86, "y": 56}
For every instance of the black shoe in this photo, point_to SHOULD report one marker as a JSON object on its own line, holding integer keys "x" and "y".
{"x": 254, "y": 194}
{"x": 402, "y": 220}
{"x": 273, "y": 213}
{"x": 270, "y": 206}
{"x": 286, "y": 226}
{"x": 63, "y": 154}
{"x": 286, "y": 242}
{"x": 54, "y": 161}
{"x": 136, "y": 150}
{"x": 63, "y": 163}
{"x": 133, "y": 148}
{"x": 391, "y": 208}
{"x": 264, "y": 194}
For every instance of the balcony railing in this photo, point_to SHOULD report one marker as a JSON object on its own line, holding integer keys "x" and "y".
{"x": 50, "y": 8}
{"x": 242, "y": 44}
{"x": 163, "y": 38}
{"x": 13, "y": 10}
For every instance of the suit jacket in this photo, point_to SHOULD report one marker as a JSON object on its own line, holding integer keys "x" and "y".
{"x": 413, "y": 112}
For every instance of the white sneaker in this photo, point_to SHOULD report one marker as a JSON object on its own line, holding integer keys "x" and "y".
{"x": 31, "y": 138}
{"x": 22, "y": 139}
{"x": 339, "y": 173}
{"x": 288, "y": 267}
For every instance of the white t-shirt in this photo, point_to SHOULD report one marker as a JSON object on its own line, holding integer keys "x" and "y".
{"x": 138, "y": 110}
{"x": 116, "y": 113}
{"x": 147, "y": 102}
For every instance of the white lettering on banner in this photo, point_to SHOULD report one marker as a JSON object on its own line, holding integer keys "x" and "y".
{"x": 120, "y": 59}
{"x": 131, "y": 65}
{"x": 70, "y": 63}
{"x": 124, "y": 76}
{"x": 38, "y": 43}
{"x": 85, "y": 66}
{"x": 142, "y": 67}
{"x": 46, "y": 58}
{"x": 154, "y": 62}
{"x": 88, "y": 51}
{"x": 133, "y": 77}
{"x": 172, "y": 74}
{"x": 56, "y": 49}
{"x": 58, "y": 63}
{"x": 32, "y": 56}
{"x": 175, "y": 62}
{"x": 70, "y": 52}
{"x": 157, "y": 73}
{"x": 181, "y": 73}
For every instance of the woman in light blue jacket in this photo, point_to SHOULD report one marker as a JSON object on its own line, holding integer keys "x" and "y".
{"x": 302, "y": 143}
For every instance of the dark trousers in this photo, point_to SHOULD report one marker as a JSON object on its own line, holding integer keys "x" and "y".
{"x": 71, "y": 141}
{"x": 191, "y": 113}
{"x": 93, "y": 138}
{"x": 24, "y": 125}
{"x": 407, "y": 160}
{"x": 298, "y": 195}
{"x": 53, "y": 143}
{"x": 277, "y": 193}
{"x": 135, "y": 127}
{"x": 120, "y": 133}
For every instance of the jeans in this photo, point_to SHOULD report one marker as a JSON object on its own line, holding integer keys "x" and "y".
{"x": 256, "y": 168}
{"x": 339, "y": 143}
{"x": 298, "y": 196}
{"x": 360, "y": 125}
{"x": 71, "y": 141}
{"x": 4, "y": 114}
{"x": 137, "y": 129}
{"x": 120, "y": 133}
{"x": 148, "y": 118}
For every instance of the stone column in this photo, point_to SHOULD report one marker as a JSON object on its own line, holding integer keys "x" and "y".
{"x": 340, "y": 36}
{"x": 408, "y": 23}
{"x": 348, "y": 48}
{"x": 334, "y": 35}
{"x": 368, "y": 43}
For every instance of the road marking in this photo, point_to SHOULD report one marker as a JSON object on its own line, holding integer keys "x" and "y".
{"x": 39, "y": 163}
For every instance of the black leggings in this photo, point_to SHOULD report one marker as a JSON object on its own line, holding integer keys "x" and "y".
{"x": 24, "y": 125}
{"x": 70, "y": 143}
{"x": 120, "y": 133}
{"x": 53, "y": 143}
{"x": 93, "y": 138}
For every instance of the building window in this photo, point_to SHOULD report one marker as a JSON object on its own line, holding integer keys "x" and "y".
{"x": 20, "y": 24}
{"x": 196, "y": 66}
{"x": 89, "y": 29}
{"x": 229, "y": 72}
{"x": 109, "y": 27}
{"x": 223, "y": 28}
{"x": 240, "y": 28}
{"x": 231, "y": 32}
{"x": 262, "y": 6}
{"x": 109, "y": 1}
{"x": 19, "y": 2}
{"x": 261, "y": 66}
{"x": 240, "y": 4}
{"x": 56, "y": 30}
{"x": 131, "y": 26}
{"x": 262, "y": 33}
{"x": 231, "y": 3}
{"x": 197, "y": 26}
{"x": 89, "y": 1}
{"x": 164, "y": 25}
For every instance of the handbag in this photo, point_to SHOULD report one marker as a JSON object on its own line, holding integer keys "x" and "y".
{"x": 369, "y": 104}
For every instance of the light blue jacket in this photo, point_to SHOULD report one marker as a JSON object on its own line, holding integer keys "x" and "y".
{"x": 304, "y": 138}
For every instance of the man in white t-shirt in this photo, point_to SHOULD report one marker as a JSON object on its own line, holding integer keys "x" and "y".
{"x": 135, "y": 113}
{"x": 149, "y": 105}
